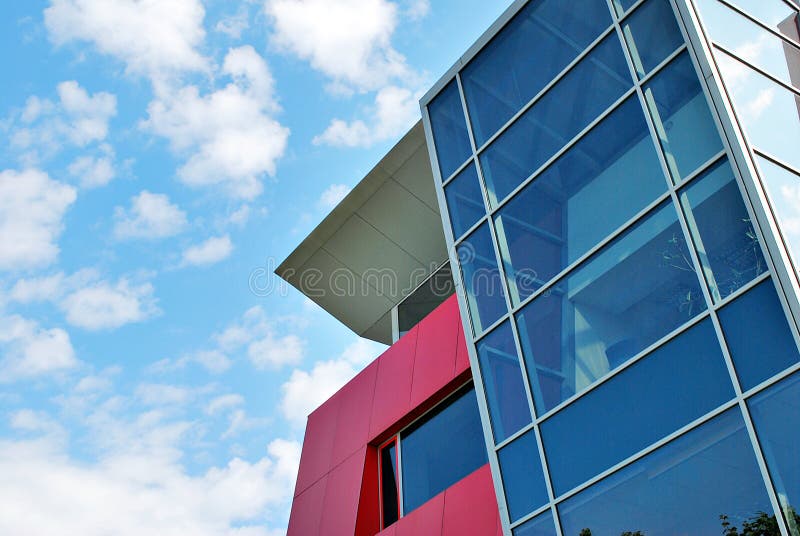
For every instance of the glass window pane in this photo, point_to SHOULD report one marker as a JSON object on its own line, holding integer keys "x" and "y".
{"x": 390, "y": 504}
{"x": 674, "y": 385}
{"x": 774, "y": 13}
{"x": 704, "y": 483}
{"x": 621, "y": 6}
{"x": 722, "y": 231}
{"x": 783, "y": 188}
{"x": 758, "y": 335}
{"x": 523, "y": 479}
{"x": 441, "y": 449}
{"x": 464, "y": 201}
{"x": 623, "y": 299}
{"x": 776, "y": 416}
{"x": 682, "y": 117}
{"x": 770, "y": 113}
{"x": 482, "y": 282}
{"x": 502, "y": 380}
{"x": 449, "y": 128}
{"x": 564, "y": 212}
{"x": 751, "y": 42}
{"x": 652, "y": 34}
{"x": 548, "y": 125}
{"x": 541, "y": 525}
{"x": 541, "y": 40}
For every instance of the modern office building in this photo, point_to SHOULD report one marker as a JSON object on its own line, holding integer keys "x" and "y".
{"x": 611, "y": 189}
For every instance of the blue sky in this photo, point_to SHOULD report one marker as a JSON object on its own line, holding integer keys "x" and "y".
{"x": 159, "y": 156}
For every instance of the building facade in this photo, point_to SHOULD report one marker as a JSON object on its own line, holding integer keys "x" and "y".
{"x": 618, "y": 183}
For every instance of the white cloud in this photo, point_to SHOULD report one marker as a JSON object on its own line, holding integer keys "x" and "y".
{"x": 306, "y": 390}
{"x": 240, "y": 216}
{"x": 150, "y": 216}
{"x": 30, "y": 350}
{"x": 89, "y": 114}
{"x": 333, "y": 195}
{"x": 94, "y": 171}
{"x": 348, "y": 40}
{"x": 214, "y": 361}
{"x": 417, "y": 9}
{"x": 159, "y": 394}
{"x": 103, "y": 305}
{"x": 223, "y": 403}
{"x": 395, "y": 110}
{"x": 32, "y": 208}
{"x": 265, "y": 347}
{"x": 229, "y": 137}
{"x": 211, "y": 251}
{"x": 234, "y": 25}
{"x": 154, "y": 38}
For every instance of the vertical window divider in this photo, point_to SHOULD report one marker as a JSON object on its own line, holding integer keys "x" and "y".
{"x": 399, "y": 457}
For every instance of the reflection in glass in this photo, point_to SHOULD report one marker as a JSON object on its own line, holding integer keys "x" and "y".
{"x": 541, "y": 525}
{"x": 449, "y": 129}
{"x": 549, "y": 124}
{"x": 783, "y": 189}
{"x": 722, "y": 231}
{"x": 704, "y": 483}
{"x": 752, "y": 43}
{"x": 774, "y": 13}
{"x": 623, "y": 299}
{"x": 564, "y": 212}
{"x": 770, "y": 113}
{"x": 441, "y": 449}
{"x": 482, "y": 282}
{"x": 758, "y": 335}
{"x": 776, "y": 416}
{"x": 464, "y": 201}
{"x": 652, "y": 34}
{"x": 502, "y": 381}
{"x": 682, "y": 117}
{"x": 427, "y": 297}
{"x": 523, "y": 479}
{"x": 674, "y": 385}
{"x": 539, "y": 42}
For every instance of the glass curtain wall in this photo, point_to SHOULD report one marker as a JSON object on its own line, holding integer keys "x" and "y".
{"x": 630, "y": 338}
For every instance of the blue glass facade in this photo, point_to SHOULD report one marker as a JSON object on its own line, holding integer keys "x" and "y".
{"x": 632, "y": 341}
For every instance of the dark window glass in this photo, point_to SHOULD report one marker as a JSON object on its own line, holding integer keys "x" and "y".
{"x": 523, "y": 478}
{"x": 758, "y": 335}
{"x": 682, "y": 117}
{"x": 541, "y": 525}
{"x": 556, "y": 118}
{"x": 624, "y": 298}
{"x": 464, "y": 201}
{"x": 541, "y": 40}
{"x": 389, "y": 495}
{"x": 652, "y": 34}
{"x": 449, "y": 129}
{"x": 502, "y": 381}
{"x": 482, "y": 281}
{"x": 441, "y": 449}
{"x": 425, "y": 299}
{"x": 776, "y": 416}
{"x": 674, "y": 385}
{"x": 783, "y": 189}
{"x": 704, "y": 483}
{"x": 621, "y": 6}
{"x": 565, "y": 212}
{"x": 722, "y": 232}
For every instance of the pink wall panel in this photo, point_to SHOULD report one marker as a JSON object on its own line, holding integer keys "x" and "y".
{"x": 306, "y": 516}
{"x": 470, "y": 506}
{"x": 355, "y": 409}
{"x": 393, "y": 384}
{"x": 342, "y": 493}
{"x": 369, "y": 517}
{"x": 435, "y": 356}
{"x": 424, "y": 521}
{"x": 315, "y": 460}
{"x": 462, "y": 355}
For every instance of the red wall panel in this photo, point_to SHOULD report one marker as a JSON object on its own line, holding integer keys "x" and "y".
{"x": 393, "y": 385}
{"x": 355, "y": 409}
{"x": 435, "y": 356}
{"x": 462, "y": 355}
{"x": 342, "y": 494}
{"x": 306, "y": 516}
{"x": 425, "y": 520}
{"x": 470, "y": 506}
{"x": 315, "y": 460}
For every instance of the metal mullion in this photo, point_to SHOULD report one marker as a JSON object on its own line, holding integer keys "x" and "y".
{"x": 527, "y": 517}
{"x": 772, "y": 78}
{"x": 777, "y": 161}
{"x": 702, "y": 169}
{"x": 543, "y": 91}
{"x": 469, "y": 232}
{"x": 627, "y": 12}
{"x": 458, "y": 170}
{"x": 758, "y": 22}
{"x": 771, "y": 381}
{"x": 400, "y": 501}
{"x": 760, "y": 278}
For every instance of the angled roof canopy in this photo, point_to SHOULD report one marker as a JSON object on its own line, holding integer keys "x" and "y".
{"x": 380, "y": 242}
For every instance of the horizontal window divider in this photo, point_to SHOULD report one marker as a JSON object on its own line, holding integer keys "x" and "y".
{"x": 468, "y": 233}
{"x": 524, "y": 519}
{"x": 571, "y": 143}
{"x": 666, "y": 61}
{"x": 458, "y": 170}
{"x": 777, "y": 161}
{"x": 600, "y": 245}
{"x": 627, "y": 12}
{"x": 477, "y": 338}
{"x": 756, "y": 21}
{"x": 760, "y": 278}
{"x": 769, "y": 382}
{"x": 519, "y": 433}
{"x": 759, "y": 70}
{"x": 546, "y": 88}
{"x": 702, "y": 168}
{"x": 733, "y": 402}
{"x": 626, "y": 365}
